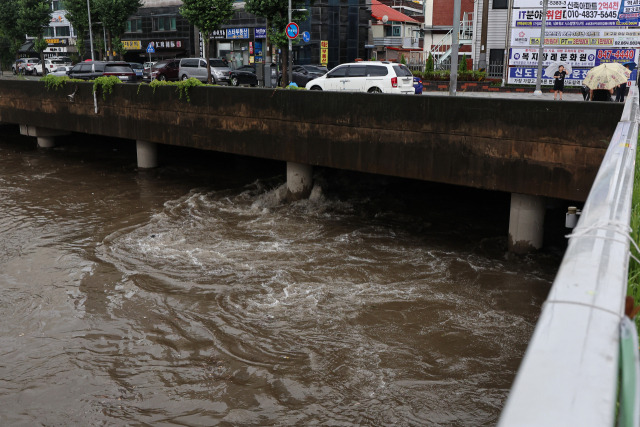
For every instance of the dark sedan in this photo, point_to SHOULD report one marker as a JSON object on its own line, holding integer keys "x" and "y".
{"x": 245, "y": 75}
{"x": 302, "y": 74}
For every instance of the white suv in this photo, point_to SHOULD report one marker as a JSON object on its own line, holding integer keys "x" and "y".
{"x": 369, "y": 76}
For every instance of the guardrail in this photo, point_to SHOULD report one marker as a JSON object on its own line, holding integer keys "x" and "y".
{"x": 569, "y": 374}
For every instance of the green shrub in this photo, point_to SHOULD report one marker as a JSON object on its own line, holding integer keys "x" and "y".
{"x": 429, "y": 65}
{"x": 105, "y": 84}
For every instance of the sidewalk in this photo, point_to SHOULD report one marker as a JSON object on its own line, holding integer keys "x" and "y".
{"x": 546, "y": 95}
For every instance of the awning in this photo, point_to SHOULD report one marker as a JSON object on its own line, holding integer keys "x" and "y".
{"x": 27, "y": 47}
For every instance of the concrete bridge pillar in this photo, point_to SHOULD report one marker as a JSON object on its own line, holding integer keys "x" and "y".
{"x": 147, "y": 154}
{"x": 44, "y": 136}
{"x": 526, "y": 223}
{"x": 299, "y": 180}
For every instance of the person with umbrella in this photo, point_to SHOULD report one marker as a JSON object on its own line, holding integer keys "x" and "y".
{"x": 621, "y": 89}
{"x": 558, "y": 82}
{"x": 602, "y": 79}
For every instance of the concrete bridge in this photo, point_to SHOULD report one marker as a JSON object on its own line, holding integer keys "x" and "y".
{"x": 532, "y": 149}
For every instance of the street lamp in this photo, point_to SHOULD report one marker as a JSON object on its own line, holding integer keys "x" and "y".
{"x": 538, "y": 91}
{"x": 90, "y": 32}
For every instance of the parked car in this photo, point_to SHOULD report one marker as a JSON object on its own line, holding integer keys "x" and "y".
{"x": 137, "y": 68}
{"x": 245, "y": 75}
{"x": 417, "y": 85}
{"x": 370, "y": 77}
{"x": 166, "y": 69}
{"x": 197, "y": 68}
{"x": 61, "y": 71}
{"x": 90, "y": 70}
{"x": 146, "y": 70}
{"x": 50, "y": 64}
{"x": 28, "y": 66}
{"x": 302, "y": 74}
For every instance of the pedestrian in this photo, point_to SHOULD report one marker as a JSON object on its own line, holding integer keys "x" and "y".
{"x": 558, "y": 84}
{"x": 600, "y": 94}
{"x": 621, "y": 90}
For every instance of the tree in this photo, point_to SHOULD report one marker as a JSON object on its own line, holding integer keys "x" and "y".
{"x": 114, "y": 15}
{"x": 33, "y": 17}
{"x": 276, "y": 13}
{"x": 207, "y": 16}
{"x": 10, "y": 35}
{"x": 462, "y": 66}
{"x": 78, "y": 17}
{"x": 429, "y": 64}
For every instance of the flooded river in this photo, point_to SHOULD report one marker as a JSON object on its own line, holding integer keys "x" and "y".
{"x": 191, "y": 294}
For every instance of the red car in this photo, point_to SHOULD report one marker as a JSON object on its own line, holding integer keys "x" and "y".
{"x": 166, "y": 69}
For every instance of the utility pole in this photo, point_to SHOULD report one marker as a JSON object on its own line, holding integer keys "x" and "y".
{"x": 290, "y": 59}
{"x": 538, "y": 91}
{"x": 90, "y": 32}
{"x": 455, "y": 36}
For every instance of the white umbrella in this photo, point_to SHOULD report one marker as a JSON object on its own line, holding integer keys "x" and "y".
{"x": 551, "y": 69}
{"x": 606, "y": 76}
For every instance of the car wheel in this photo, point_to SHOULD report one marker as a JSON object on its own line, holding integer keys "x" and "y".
{"x": 234, "y": 81}
{"x": 374, "y": 90}
{"x": 184, "y": 77}
{"x": 316, "y": 88}
{"x": 162, "y": 77}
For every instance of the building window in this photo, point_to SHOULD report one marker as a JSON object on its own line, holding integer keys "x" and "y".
{"x": 62, "y": 32}
{"x": 57, "y": 5}
{"x": 496, "y": 63}
{"x": 500, "y": 4}
{"x": 394, "y": 31}
{"x": 48, "y": 32}
{"x": 134, "y": 25}
{"x": 164, "y": 23}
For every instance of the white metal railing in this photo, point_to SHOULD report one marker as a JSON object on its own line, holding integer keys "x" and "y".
{"x": 569, "y": 374}
{"x": 442, "y": 50}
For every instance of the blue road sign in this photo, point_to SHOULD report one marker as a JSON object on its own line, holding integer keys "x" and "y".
{"x": 292, "y": 30}
{"x": 306, "y": 36}
{"x": 150, "y": 48}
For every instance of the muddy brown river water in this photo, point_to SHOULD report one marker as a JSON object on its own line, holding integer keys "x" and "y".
{"x": 191, "y": 294}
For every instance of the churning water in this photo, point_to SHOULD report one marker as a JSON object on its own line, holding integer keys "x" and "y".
{"x": 192, "y": 294}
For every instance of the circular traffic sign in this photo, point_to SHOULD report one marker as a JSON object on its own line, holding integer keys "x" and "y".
{"x": 292, "y": 30}
{"x": 306, "y": 36}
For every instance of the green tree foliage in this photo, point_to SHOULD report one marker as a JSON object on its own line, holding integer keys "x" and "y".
{"x": 78, "y": 17}
{"x": 33, "y": 17}
{"x": 277, "y": 14}
{"x": 462, "y": 66}
{"x": 207, "y": 16}
{"x": 403, "y": 60}
{"x": 10, "y": 36}
{"x": 429, "y": 66}
{"x": 114, "y": 15}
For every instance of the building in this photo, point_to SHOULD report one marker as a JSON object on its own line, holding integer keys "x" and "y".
{"x": 438, "y": 29}
{"x": 395, "y": 35}
{"x": 341, "y": 25}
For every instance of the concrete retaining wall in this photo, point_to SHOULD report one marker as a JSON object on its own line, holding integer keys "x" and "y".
{"x": 520, "y": 146}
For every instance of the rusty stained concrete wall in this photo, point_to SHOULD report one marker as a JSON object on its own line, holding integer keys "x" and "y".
{"x": 521, "y": 146}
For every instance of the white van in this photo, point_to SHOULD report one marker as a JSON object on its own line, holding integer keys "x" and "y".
{"x": 369, "y": 76}
{"x": 197, "y": 68}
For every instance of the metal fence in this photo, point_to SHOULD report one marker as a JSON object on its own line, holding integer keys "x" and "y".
{"x": 569, "y": 374}
{"x": 495, "y": 70}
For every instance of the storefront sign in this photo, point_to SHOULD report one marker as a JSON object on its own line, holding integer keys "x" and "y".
{"x": 132, "y": 44}
{"x": 258, "y": 51}
{"x": 576, "y": 14}
{"x": 629, "y": 12}
{"x": 532, "y": 4}
{"x": 528, "y": 75}
{"x": 578, "y": 58}
{"x": 168, "y": 44}
{"x": 576, "y": 37}
{"x": 260, "y": 32}
{"x": 219, "y": 34}
{"x": 57, "y": 42}
{"x": 237, "y": 33}
{"x": 324, "y": 52}
{"x": 529, "y": 57}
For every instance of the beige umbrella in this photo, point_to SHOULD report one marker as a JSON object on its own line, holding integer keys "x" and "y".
{"x": 606, "y": 76}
